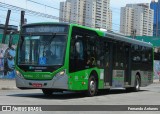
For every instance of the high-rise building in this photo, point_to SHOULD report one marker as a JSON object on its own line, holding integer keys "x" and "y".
{"x": 78, "y": 11}
{"x": 92, "y": 13}
{"x": 136, "y": 19}
{"x": 156, "y": 24}
{"x": 65, "y": 11}
{"x": 103, "y": 14}
{"x": 126, "y": 21}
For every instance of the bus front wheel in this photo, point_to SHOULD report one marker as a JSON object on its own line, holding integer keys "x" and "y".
{"x": 92, "y": 86}
{"x": 47, "y": 92}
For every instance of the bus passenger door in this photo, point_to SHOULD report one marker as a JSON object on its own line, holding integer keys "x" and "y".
{"x": 118, "y": 65}
{"x": 106, "y": 62}
{"x": 127, "y": 56}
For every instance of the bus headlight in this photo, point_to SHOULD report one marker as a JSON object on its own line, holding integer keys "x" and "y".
{"x": 62, "y": 73}
{"x": 19, "y": 74}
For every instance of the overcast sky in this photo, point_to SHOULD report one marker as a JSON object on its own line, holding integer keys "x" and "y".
{"x": 15, "y": 16}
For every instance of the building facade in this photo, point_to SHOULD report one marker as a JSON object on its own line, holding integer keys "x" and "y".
{"x": 103, "y": 14}
{"x": 136, "y": 19}
{"x": 65, "y": 11}
{"x": 126, "y": 23}
{"x": 91, "y": 13}
{"x": 156, "y": 24}
{"x": 77, "y": 11}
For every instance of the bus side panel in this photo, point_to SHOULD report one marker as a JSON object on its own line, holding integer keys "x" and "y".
{"x": 79, "y": 80}
{"x": 145, "y": 77}
{"x": 82, "y": 58}
{"x": 142, "y": 65}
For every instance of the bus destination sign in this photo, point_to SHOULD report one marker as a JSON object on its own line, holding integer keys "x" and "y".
{"x": 45, "y": 29}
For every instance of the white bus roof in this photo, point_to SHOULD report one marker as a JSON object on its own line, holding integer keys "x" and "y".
{"x": 126, "y": 39}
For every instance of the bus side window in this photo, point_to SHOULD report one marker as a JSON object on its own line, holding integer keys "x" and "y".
{"x": 150, "y": 56}
{"x": 90, "y": 51}
{"x": 82, "y": 49}
{"x": 144, "y": 54}
{"x": 72, "y": 50}
{"x": 79, "y": 50}
{"x": 76, "y": 53}
{"x": 101, "y": 53}
{"x": 136, "y": 52}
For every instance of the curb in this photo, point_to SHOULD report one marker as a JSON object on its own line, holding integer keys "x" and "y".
{"x": 6, "y": 84}
{"x": 8, "y": 88}
{"x": 156, "y": 83}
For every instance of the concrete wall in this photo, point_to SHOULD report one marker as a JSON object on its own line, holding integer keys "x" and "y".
{"x": 4, "y": 50}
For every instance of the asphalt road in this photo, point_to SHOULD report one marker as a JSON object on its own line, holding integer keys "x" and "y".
{"x": 149, "y": 95}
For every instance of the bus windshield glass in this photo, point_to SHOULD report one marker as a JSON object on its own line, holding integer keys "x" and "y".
{"x": 42, "y": 50}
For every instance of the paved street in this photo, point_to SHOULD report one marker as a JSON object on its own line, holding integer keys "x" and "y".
{"x": 147, "y": 96}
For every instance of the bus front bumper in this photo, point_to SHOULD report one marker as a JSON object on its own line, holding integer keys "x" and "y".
{"x": 58, "y": 82}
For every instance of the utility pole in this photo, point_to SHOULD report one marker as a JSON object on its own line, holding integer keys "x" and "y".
{"x": 22, "y": 18}
{"x": 6, "y": 26}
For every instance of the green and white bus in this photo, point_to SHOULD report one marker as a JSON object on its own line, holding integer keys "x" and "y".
{"x": 59, "y": 57}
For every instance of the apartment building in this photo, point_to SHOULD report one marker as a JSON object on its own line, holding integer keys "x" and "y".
{"x": 137, "y": 19}
{"x": 78, "y": 11}
{"x": 92, "y": 13}
{"x": 103, "y": 14}
{"x": 126, "y": 18}
{"x": 65, "y": 11}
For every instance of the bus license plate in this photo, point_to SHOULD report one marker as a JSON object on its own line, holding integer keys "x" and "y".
{"x": 37, "y": 85}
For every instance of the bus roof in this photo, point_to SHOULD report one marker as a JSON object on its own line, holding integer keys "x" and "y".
{"x": 115, "y": 36}
{"x": 118, "y": 37}
{"x": 110, "y": 35}
{"x": 47, "y": 23}
{"x": 126, "y": 39}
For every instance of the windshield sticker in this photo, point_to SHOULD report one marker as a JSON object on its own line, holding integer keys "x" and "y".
{"x": 42, "y": 61}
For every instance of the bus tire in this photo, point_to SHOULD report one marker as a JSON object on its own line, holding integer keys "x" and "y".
{"x": 47, "y": 92}
{"x": 137, "y": 83}
{"x": 92, "y": 86}
{"x": 136, "y": 87}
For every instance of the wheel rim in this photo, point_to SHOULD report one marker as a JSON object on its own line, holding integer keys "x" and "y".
{"x": 92, "y": 86}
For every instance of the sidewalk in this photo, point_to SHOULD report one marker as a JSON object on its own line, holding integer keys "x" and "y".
{"x": 7, "y": 84}
{"x": 156, "y": 81}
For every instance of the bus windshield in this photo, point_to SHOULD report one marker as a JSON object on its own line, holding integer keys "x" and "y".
{"x": 42, "y": 50}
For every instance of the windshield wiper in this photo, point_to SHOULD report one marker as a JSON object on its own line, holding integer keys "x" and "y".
{"x": 52, "y": 37}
